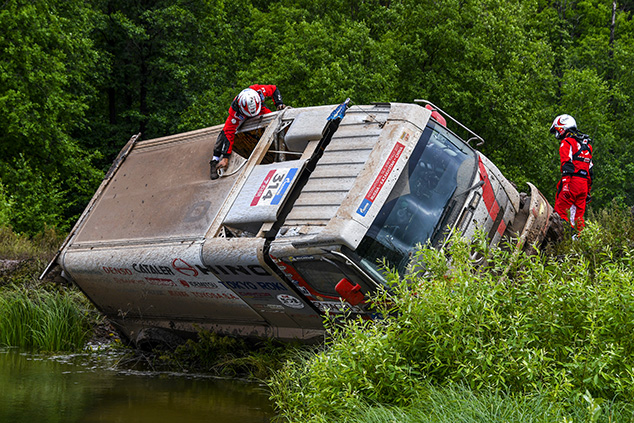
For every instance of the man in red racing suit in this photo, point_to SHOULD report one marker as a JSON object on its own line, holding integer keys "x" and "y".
{"x": 575, "y": 153}
{"x": 249, "y": 103}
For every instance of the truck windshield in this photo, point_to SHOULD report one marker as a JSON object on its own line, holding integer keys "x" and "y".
{"x": 440, "y": 166}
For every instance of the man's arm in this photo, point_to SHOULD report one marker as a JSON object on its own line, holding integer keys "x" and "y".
{"x": 230, "y": 128}
{"x": 565, "y": 157}
{"x": 270, "y": 91}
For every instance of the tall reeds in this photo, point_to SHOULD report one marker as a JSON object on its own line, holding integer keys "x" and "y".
{"x": 35, "y": 315}
{"x": 43, "y": 320}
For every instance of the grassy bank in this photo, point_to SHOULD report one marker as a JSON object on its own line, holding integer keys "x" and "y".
{"x": 458, "y": 403}
{"x": 554, "y": 328}
{"x": 39, "y": 315}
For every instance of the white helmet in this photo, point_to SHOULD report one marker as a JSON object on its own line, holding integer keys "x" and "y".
{"x": 561, "y": 125}
{"x": 250, "y": 102}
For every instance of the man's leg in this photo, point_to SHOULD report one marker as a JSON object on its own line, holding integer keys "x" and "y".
{"x": 579, "y": 187}
{"x": 564, "y": 199}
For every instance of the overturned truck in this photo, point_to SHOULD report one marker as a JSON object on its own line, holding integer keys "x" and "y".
{"x": 312, "y": 200}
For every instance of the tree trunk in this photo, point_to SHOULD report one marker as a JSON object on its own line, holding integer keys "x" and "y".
{"x": 612, "y": 25}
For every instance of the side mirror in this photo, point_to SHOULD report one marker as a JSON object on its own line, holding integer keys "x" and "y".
{"x": 350, "y": 293}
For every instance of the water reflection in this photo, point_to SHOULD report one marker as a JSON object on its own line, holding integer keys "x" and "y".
{"x": 86, "y": 389}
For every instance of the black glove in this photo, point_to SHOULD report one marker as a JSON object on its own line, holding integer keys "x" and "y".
{"x": 588, "y": 199}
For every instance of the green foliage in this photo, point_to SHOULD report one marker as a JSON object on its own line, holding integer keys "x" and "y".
{"x": 5, "y": 207}
{"x": 77, "y": 79}
{"x": 320, "y": 60}
{"x": 43, "y": 320}
{"x": 158, "y": 60}
{"x": 46, "y": 62}
{"x": 558, "y": 326}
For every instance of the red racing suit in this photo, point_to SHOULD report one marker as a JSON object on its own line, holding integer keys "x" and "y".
{"x": 224, "y": 143}
{"x": 573, "y": 190}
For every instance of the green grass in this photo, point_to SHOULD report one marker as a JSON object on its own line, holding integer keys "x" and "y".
{"x": 555, "y": 327}
{"x": 38, "y": 319}
{"x": 41, "y": 247}
{"x": 458, "y": 404}
{"x": 39, "y": 315}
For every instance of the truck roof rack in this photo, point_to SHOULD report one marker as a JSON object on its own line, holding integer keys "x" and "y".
{"x": 474, "y": 135}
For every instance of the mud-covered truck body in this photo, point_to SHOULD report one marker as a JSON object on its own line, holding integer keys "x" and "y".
{"x": 311, "y": 202}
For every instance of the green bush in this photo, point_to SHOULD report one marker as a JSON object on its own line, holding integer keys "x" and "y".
{"x": 559, "y": 325}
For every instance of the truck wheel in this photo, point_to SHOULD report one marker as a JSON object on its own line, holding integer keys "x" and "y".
{"x": 149, "y": 339}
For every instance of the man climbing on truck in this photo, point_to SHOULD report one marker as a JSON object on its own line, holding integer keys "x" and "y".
{"x": 575, "y": 153}
{"x": 249, "y": 103}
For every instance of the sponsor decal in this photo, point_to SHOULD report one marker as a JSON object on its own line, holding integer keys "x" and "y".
{"x": 128, "y": 281}
{"x": 198, "y": 284}
{"x": 214, "y": 295}
{"x": 336, "y": 307}
{"x": 275, "y": 307}
{"x": 177, "y": 293}
{"x": 273, "y": 187}
{"x": 285, "y": 184}
{"x": 160, "y": 282}
{"x": 116, "y": 270}
{"x": 181, "y": 266}
{"x": 152, "y": 269}
{"x": 249, "y": 270}
{"x": 290, "y": 301}
{"x": 381, "y": 178}
{"x": 301, "y": 258}
{"x": 255, "y": 286}
{"x": 302, "y": 289}
{"x": 292, "y": 274}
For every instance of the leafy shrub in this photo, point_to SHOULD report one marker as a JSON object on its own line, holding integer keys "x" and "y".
{"x": 560, "y": 325}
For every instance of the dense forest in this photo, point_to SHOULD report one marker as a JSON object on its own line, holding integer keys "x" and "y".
{"x": 79, "y": 77}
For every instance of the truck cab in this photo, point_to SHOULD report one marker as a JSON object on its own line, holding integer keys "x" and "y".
{"x": 313, "y": 201}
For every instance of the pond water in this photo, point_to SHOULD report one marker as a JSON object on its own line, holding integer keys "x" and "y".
{"x": 91, "y": 388}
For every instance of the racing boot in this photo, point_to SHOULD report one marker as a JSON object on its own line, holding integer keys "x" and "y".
{"x": 213, "y": 170}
